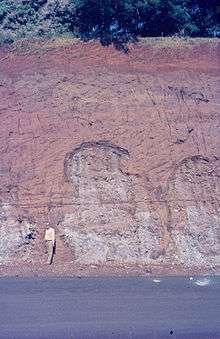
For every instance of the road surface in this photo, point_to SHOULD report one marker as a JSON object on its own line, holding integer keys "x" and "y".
{"x": 110, "y": 308}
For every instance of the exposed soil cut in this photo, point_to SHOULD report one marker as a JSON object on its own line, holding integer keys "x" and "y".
{"x": 118, "y": 152}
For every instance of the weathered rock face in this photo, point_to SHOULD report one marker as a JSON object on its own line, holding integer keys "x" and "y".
{"x": 194, "y": 210}
{"x": 112, "y": 221}
{"x": 15, "y": 234}
{"x": 118, "y": 152}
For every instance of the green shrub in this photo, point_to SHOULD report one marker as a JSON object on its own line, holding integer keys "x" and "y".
{"x": 110, "y": 21}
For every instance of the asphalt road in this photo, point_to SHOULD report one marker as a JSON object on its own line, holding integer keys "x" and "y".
{"x": 110, "y": 308}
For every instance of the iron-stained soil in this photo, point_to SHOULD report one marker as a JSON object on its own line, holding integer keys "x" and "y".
{"x": 119, "y": 152}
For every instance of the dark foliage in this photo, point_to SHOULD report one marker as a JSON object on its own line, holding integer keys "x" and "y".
{"x": 112, "y": 21}
{"x": 118, "y": 21}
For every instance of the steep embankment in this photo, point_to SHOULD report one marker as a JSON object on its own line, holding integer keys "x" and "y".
{"x": 118, "y": 152}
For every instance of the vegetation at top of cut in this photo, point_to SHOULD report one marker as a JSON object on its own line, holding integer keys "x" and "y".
{"x": 110, "y": 21}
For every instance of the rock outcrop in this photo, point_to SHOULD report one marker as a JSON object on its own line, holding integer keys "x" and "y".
{"x": 15, "y": 234}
